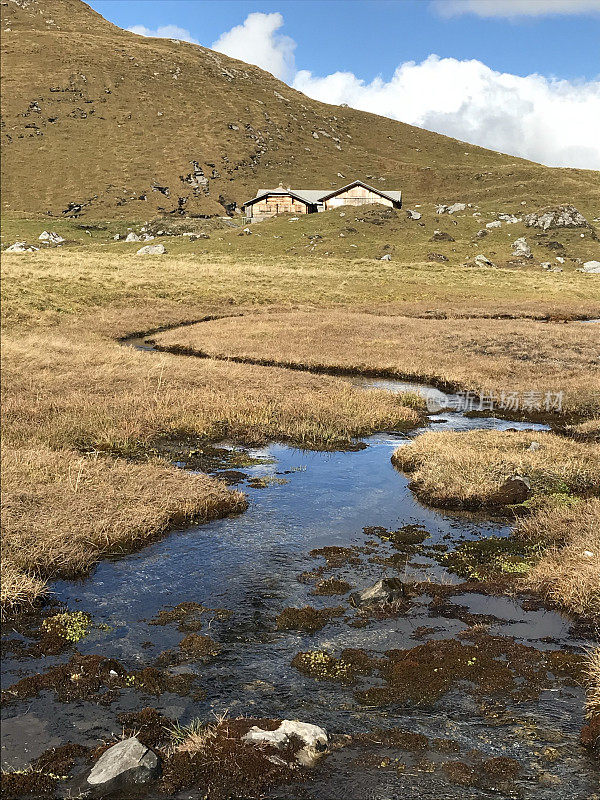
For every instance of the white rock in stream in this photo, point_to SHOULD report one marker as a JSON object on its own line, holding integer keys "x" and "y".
{"x": 124, "y": 764}
{"x": 314, "y": 738}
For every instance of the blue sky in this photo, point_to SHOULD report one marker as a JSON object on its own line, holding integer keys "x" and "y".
{"x": 521, "y": 76}
{"x": 371, "y": 38}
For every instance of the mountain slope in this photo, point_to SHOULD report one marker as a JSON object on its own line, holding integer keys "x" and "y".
{"x": 127, "y": 127}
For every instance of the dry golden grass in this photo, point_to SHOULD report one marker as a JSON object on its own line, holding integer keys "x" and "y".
{"x": 96, "y": 395}
{"x": 466, "y": 469}
{"x": 568, "y": 574}
{"x": 61, "y": 511}
{"x": 46, "y": 287}
{"x": 485, "y": 355}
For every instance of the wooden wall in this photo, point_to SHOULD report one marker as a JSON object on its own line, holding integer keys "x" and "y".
{"x": 278, "y": 204}
{"x": 357, "y": 196}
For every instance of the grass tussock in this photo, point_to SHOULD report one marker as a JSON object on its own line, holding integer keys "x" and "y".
{"x": 62, "y": 511}
{"x": 568, "y": 574}
{"x": 489, "y": 356}
{"x": 467, "y": 469}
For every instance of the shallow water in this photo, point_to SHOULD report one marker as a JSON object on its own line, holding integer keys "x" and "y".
{"x": 250, "y": 565}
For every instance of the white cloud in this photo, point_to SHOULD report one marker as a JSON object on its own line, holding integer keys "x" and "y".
{"x": 550, "y": 121}
{"x": 514, "y": 8}
{"x": 257, "y": 42}
{"x": 164, "y": 32}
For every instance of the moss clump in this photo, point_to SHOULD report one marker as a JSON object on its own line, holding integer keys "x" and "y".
{"x": 331, "y": 586}
{"x": 491, "y": 664}
{"x": 190, "y": 616}
{"x": 28, "y": 783}
{"x": 485, "y": 558}
{"x": 70, "y": 626}
{"x": 306, "y": 619}
{"x": 148, "y": 725}
{"x": 199, "y": 647}
{"x": 408, "y": 536}
{"x": 337, "y": 556}
{"x": 321, "y": 665}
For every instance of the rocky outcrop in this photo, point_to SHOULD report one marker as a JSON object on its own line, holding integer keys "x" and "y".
{"x": 557, "y": 217}
{"x": 125, "y": 764}
{"x": 521, "y": 249}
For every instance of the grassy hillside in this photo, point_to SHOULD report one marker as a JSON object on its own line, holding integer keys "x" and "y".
{"x": 130, "y": 127}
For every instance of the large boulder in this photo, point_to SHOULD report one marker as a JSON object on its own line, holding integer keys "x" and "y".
{"x": 151, "y": 250}
{"x": 592, "y": 267}
{"x": 125, "y": 764}
{"x": 133, "y": 237}
{"x": 387, "y": 590}
{"x": 521, "y": 249}
{"x": 513, "y": 491}
{"x": 556, "y": 217}
{"x": 313, "y": 739}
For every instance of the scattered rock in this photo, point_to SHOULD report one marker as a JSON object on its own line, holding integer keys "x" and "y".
{"x": 513, "y": 491}
{"x": 495, "y": 224}
{"x": 480, "y": 234}
{"x": 133, "y": 237}
{"x": 124, "y": 764}
{"x": 245, "y": 232}
{"x": 116, "y": 237}
{"x": 521, "y": 249}
{"x": 441, "y": 236}
{"x": 451, "y": 209}
{"x": 21, "y": 247}
{"x": 436, "y": 257}
{"x": 534, "y": 446}
{"x": 313, "y": 737}
{"x": 386, "y": 257}
{"x": 413, "y": 214}
{"x": 151, "y": 250}
{"x": 483, "y": 261}
{"x": 557, "y": 217}
{"x": 592, "y": 267}
{"x": 51, "y": 237}
{"x": 387, "y": 590}
{"x": 510, "y": 219}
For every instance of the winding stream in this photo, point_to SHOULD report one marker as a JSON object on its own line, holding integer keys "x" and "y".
{"x": 250, "y": 565}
